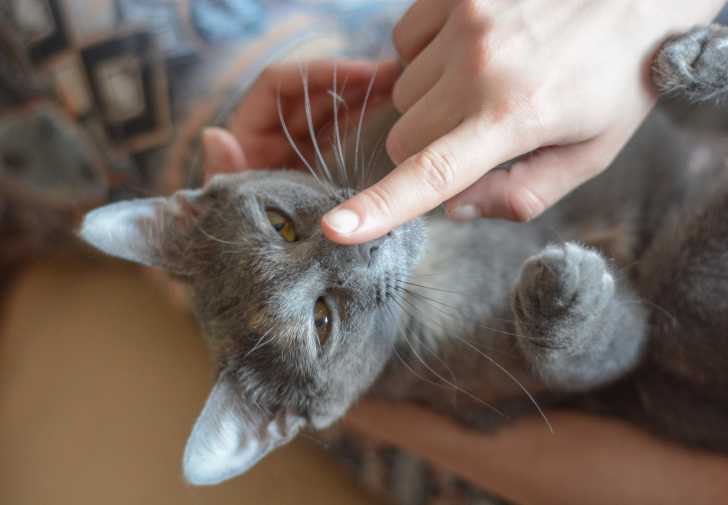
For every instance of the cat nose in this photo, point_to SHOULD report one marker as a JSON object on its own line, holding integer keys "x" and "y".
{"x": 368, "y": 250}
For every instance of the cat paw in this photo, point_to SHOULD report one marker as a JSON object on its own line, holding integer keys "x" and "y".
{"x": 694, "y": 64}
{"x": 559, "y": 291}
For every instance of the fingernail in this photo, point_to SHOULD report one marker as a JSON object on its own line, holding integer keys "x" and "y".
{"x": 534, "y": 206}
{"x": 342, "y": 221}
{"x": 464, "y": 213}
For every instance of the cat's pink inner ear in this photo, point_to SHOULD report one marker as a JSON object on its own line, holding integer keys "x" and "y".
{"x": 222, "y": 152}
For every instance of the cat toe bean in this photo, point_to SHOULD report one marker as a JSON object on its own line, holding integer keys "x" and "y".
{"x": 564, "y": 281}
{"x": 569, "y": 316}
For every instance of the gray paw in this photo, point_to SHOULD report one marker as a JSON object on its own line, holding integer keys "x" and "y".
{"x": 695, "y": 64}
{"x": 560, "y": 290}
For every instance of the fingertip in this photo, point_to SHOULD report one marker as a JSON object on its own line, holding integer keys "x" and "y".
{"x": 483, "y": 199}
{"x": 349, "y": 226}
{"x": 524, "y": 205}
{"x": 463, "y": 212}
{"x": 385, "y": 70}
{"x": 342, "y": 221}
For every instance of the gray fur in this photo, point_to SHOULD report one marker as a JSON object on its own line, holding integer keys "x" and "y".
{"x": 614, "y": 301}
{"x": 582, "y": 331}
{"x": 695, "y": 65}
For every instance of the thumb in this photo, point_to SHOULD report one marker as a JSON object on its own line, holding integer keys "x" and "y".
{"x": 221, "y": 152}
{"x": 422, "y": 182}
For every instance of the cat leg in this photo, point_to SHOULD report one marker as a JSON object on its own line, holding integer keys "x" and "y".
{"x": 578, "y": 326}
{"x": 694, "y": 65}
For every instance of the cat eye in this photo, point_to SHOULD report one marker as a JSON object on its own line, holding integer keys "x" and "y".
{"x": 282, "y": 224}
{"x": 322, "y": 321}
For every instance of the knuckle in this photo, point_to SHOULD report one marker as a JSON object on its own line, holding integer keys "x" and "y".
{"x": 479, "y": 57}
{"x": 538, "y": 110}
{"x": 524, "y": 204}
{"x": 438, "y": 170}
{"x": 378, "y": 199}
{"x": 474, "y": 16}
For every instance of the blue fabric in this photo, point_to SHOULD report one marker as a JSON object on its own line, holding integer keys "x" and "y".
{"x": 367, "y": 22}
{"x": 220, "y": 21}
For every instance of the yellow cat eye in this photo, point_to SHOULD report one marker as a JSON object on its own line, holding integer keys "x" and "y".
{"x": 322, "y": 321}
{"x": 282, "y": 224}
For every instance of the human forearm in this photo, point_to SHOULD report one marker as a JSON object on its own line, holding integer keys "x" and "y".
{"x": 586, "y": 461}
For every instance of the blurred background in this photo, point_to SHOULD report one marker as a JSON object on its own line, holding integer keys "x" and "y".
{"x": 102, "y": 373}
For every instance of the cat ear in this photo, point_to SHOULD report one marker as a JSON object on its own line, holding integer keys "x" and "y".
{"x": 231, "y": 436}
{"x": 144, "y": 230}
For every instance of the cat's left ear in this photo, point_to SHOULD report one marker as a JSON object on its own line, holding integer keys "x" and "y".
{"x": 149, "y": 231}
{"x": 231, "y": 435}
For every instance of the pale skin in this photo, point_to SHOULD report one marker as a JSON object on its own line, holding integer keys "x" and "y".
{"x": 486, "y": 82}
{"x": 587, "y": 460}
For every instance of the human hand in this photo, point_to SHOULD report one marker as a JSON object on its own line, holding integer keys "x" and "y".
{"x": 488, "y": 82}
{"x": 588, "y": 460}
{"x": 254, "y": 137}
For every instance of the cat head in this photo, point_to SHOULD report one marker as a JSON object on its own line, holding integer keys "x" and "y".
{"x": 300, "y": 326}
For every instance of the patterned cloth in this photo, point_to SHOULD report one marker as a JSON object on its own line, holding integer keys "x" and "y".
{"x": 103, "y": 99}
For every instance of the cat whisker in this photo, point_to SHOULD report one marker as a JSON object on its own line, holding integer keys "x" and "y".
{"x": 423, "y": 297}
{"x": 673, "y": 320}
{"x": 336, "y": 141}
{"x": 216, "y": 239}
{"x": 319, "y": 441}
{"x": 437, "y": 305}
{"x": 292, "y": 142}
{"x": 422, "y": 318}
{"x": 422, "y": 377}
{"x": 450, "y": 383}
{"x": 518, "y": 383}
{"x": 360, "y": 124}
{"x": 431, "y": 288}
{"x": 432, "y": 351}
{"x": 412, "y": 370}
{"x": 260, "y": 343}
{"x": 309, "y": 122}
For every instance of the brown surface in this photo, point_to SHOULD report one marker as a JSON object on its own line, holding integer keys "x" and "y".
{"x": 101, "y": 378}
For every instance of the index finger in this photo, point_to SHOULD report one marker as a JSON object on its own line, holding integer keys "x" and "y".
{"x": 419, "y": 25}
{"x": 442, "y": 170}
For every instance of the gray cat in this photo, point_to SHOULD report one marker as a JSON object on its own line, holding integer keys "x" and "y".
{"x": 615, "y": 301}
